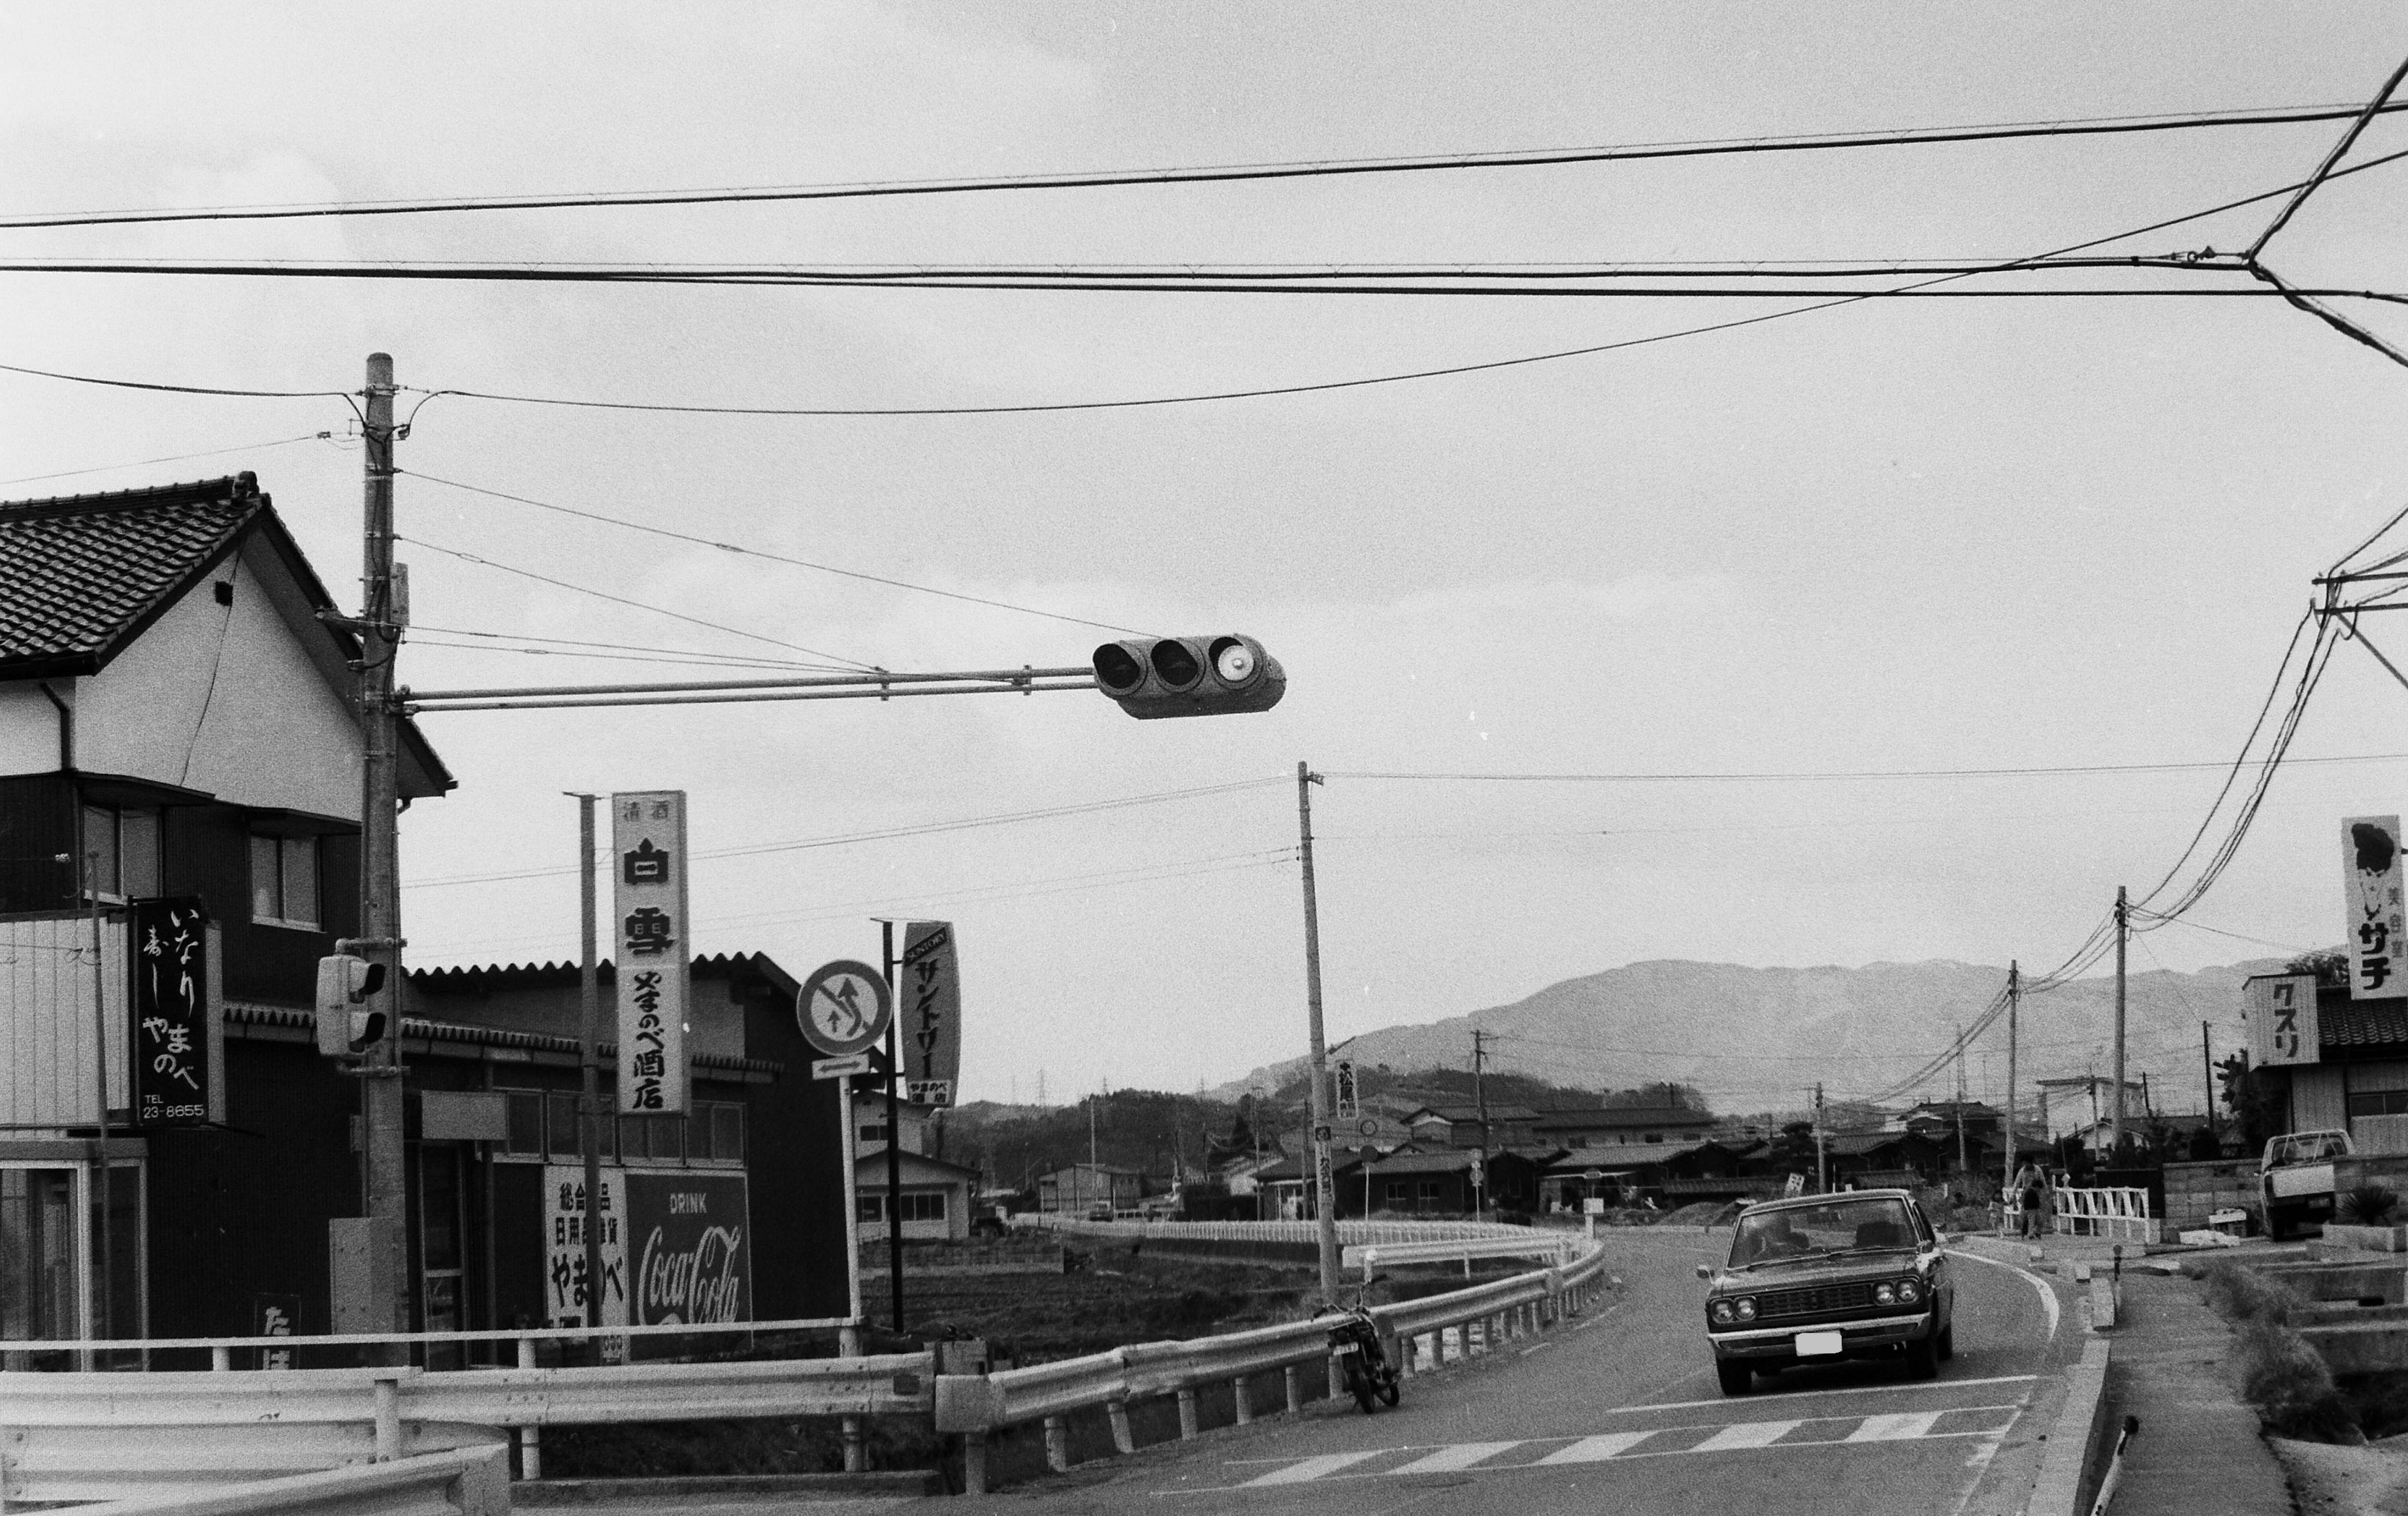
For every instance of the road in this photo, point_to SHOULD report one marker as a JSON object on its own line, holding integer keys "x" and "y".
{"x": 1619, "y": 1412}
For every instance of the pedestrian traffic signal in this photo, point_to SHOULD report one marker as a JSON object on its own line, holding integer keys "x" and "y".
{"x": 1189, "y": 675}
{"x": 344, "y": 983}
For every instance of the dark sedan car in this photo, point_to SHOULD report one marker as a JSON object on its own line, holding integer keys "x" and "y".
{"x": 1859, "y": 1275}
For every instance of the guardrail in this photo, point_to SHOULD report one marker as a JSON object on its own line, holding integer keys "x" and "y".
{"x": 1371, "y": 1255}
{"x": 2119, "y": 1213}
{"x": 104, "y": 1437}
{"x": 470, "y": 1482}
{"x": 1466, "y": 1321}
{"x": 1348, "y": 1230}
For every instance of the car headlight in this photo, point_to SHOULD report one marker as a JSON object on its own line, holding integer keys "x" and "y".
{"x": 1908, "y": 1292}
{"x": 1884, "y": 1295}
{"x": 1721, "y": 1311}
{"x": 1745, "y": 1306}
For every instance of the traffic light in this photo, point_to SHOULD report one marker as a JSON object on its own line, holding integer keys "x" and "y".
{"x": 1190, "y": 676}
{"x": 344, "y": 983}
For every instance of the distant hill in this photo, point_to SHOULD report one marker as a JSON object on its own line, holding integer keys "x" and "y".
{"x": 1753, "y": 1038}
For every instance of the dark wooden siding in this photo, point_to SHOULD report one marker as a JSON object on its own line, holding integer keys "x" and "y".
{"x": 36, "y": 825}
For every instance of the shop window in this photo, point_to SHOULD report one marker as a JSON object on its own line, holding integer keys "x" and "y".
{"x": 724, "y": 1121}
{"x": 285, "y": 880}
{"x": 525, "y": 1108}
{"x": 658, "y": 1139}
{"x": 124, "y": 845}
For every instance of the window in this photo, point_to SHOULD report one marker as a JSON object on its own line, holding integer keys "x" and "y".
{"x": 2379, "y": 1103}
{"x": 871, "y": 1208}
{"x": 125, "y": 845}
{"x": 525, "y": 1108}
{"x": 285, "y": 880}
{"x": 874, "y": 1134}
{"x": 561, "y": 1108}
{"x": 924, "y": 1206}
{"x": 657, "y": 1139}
{"x": 726, "y": 1132}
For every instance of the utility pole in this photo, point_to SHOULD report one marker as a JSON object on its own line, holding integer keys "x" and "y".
{"x": 107, "y": 1251}
{"x": 380, "y": 942}
{"x": 2116, "y": 1126}
{"x": 2207, "y": 1079}
{"x": 1324, "y": 1194}
{"x": 589, "y": 1002}
{"x": 1962, "y": 1166}
{"x": 1480, "y": 1100}
{"x": 2007, "y": 1166}
{"x": 894, "y": 1142}
{"x": 1822, "y": 1163}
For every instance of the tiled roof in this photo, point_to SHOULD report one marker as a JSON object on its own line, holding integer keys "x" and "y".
{"x": 80, "y": 573}
{"x": 1624, "y": 1116}
{"x": 2343, "y": 1022}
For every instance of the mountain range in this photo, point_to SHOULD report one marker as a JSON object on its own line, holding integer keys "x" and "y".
{"x": 1755, "y": 1040}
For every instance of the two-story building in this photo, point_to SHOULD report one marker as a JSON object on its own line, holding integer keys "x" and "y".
{"x": 1623, "y": 1125}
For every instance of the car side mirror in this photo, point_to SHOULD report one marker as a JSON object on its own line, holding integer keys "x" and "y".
{"x": 1705, "y": 1272}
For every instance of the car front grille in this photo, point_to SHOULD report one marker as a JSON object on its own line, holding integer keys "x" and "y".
{"x": 1814, "y": 1302}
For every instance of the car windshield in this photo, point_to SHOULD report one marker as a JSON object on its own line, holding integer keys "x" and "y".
{"x": 1840, "y": 1224}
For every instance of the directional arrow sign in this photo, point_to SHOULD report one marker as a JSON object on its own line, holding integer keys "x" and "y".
{"x": 843, "y": 1008}
{"x": 836, "y": 1068}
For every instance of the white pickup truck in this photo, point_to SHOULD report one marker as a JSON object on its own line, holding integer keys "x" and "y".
{"x": 2295, "y": 1180}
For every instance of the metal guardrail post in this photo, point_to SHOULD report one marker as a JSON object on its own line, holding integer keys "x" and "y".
{"x": 1295, "y": 1390}
{"x": 1057, "y": 1444}
{"x": 1187, "y": 1416}
{"x": 1329, "y": 1366}
{"x": 388, "y": 1420}
{"x": 1117, "y": 1412}
{"x": 973, "y": 1463}
{"x": 530, "y": 1437}
{"x": 854, "y": 1460}
{"x": 1245, "y": 1401}
{"x": 220, "y": 1359}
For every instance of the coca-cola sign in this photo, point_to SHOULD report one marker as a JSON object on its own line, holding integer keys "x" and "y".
{"x": 689, "y": 1234}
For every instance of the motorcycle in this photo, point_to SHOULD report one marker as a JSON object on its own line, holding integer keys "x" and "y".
{"x": 1354, "y": 1339}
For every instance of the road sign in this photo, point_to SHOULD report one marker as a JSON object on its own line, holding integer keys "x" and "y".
{"x": 835, "y": 1068}
{"x": 1369, "y": 1127}
{"x": 1592, "y": 1175}
{"x": 843, "y": 1008}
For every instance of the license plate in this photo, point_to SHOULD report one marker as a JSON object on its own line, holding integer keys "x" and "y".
{"x": 1817, "y": 1344}
{"x": 1349, "y": 1348}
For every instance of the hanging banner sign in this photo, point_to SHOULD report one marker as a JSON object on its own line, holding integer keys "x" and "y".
{"x": 173, "y": 1016}
{"x": 2373, "y": 932}
{"x": 930, "y": 990}
{"x": 689, "y": 1234}
{"x": 2281, "y": 1011}
{"x": 654, "y": 957}
{"x": 567, "y": 1214}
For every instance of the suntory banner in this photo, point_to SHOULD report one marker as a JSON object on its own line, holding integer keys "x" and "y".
{"x": 928, "y": 1011}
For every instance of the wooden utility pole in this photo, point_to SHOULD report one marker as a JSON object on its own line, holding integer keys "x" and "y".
{"x": 1962, "y": 1166}
{"x": 2207, "y": 1079}
{"x": 894, "y": 1141}
{"x": 2116, "y": 1120}
{"x": 1325, "y": 1196}
{"x": 379, "y": 629}
{"x": 1822, "y": 1161}
{"x": 589, "y": 1001}
{"x": 1480, "y": 1103}
{"x": 2007, "y": 1166}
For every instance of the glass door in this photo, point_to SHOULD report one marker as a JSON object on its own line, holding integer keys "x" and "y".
{"x": 440, "y": 1201}
{"x": 39, "y": 1250}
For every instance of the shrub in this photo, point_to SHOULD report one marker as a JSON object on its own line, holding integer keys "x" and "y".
{"x": 2243, "y": 1295}
{"x": 2368, "y": 1205}
{"x": 2293, "y": 1390}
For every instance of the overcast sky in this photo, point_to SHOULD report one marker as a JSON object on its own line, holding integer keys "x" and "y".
{"x": 1903, "y": 534}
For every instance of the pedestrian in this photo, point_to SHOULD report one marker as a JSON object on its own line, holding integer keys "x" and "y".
{"x": 2026, "y": 1194}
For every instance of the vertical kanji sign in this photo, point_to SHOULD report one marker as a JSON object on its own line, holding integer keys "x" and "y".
{"x": 928, "y": 1002}
{"x": 648, "y": 915}
{"x": 2281, "y": 1011}
{"x": 172, "y": 1013}
{"x": 2378, "y": 956}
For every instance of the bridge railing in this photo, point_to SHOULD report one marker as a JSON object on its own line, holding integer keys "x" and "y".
{"x": 2122, "y": 1214}
{"x": 1433, "y": 1330}
{"x": 1354, "y": 1232}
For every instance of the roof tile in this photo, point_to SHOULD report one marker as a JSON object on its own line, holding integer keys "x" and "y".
{"x": 78, "y": 572}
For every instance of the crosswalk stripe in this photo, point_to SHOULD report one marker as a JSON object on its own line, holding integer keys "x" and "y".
{"x": 1903, "y": 1426}
{"x": 1747, "y": 1434}
{"x": 1596, "y": 1450}
{"x": 1313, "y": 1469}
{"x": 1454, "y": 1456}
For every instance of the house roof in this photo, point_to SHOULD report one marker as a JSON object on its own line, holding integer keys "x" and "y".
{"x": 82, "y": 575}
{"x": 1450, "y": 1161}
{"x": 864, "y": 1179}
{"x": 1625, "y": 1117}
{"x": 1471, "y": 1113}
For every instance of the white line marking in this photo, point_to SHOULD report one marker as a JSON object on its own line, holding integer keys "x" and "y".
{"x": 1447, "y": 1460}
{"x": 1815, "y": 1395}
{"x": 2047, "y": 1296}
{"x": 1597, "y": 1449}
{"x": 1747, "y": 1434}
{"x": 1312, "y": 1469}
{"x": 1896, "y": 1427}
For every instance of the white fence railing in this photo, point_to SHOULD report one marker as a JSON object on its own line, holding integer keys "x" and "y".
{"x": 114, "y": 1437}
{"x": 470, "y": 1482}
{"x": 1455, "y": 1325}
{"x": 1348, "y": 1232}
{"x": 1559, "y": 1246}
{"x": 2120, "y": 1213}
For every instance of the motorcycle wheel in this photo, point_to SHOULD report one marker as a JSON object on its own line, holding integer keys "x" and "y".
{"x": 1389, "y": 1390}
{"x": 1360, "y": 1383}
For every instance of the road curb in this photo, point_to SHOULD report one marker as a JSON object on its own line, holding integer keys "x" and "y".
{"x": 899, "y": 1481}
{"x": 2069, "y": 1470}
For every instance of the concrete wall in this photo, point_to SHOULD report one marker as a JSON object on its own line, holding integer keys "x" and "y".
{"x": 2194, "y": 1190}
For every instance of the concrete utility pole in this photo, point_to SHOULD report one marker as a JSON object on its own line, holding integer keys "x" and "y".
{"x": 1324, "y": 1194}
{"x": 2008, "y": 1166}
{"x": 379, "y": 940}
{"x": 894, "y": 1141}
{"x": 1962, "y": 1166}
{"x": 1480, "y": 1100}
{"x": 1822, "y": 1161}
{"x": 2116, "y": 1120}
{"x": 2207, "y": 1079}
{"x": 589, "y": 996}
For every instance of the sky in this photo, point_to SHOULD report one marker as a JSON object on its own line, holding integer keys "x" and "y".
{"x": 1938, "y": 533}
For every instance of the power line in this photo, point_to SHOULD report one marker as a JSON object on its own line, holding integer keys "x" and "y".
{"x": 1222, "y": 173}
{"x": 1789, "y": 775}
{"x": 891, "y": 833}
{"x": 636, "y": 605}
{"x": 171, "y": 458}
{"x": 731, "y": 660}
{"x": 2358, "y": 124}
{"x": 177, "y": 388}
{"x": 771, "y": 557}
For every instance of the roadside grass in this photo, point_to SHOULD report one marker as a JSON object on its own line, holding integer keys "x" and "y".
{"x": 2281, "y": 1375}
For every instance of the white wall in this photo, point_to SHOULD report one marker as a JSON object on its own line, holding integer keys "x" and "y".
{"x": 271, "y": 734}
{"x": 29, "y": 726}
{"x": 46, "y": 1015}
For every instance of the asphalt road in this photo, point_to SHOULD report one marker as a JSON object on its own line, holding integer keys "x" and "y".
{"x": 1620, "y": 1412}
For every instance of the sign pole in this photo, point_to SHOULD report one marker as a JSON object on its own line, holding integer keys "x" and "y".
{"x": 589, "y": 992}
{"x": 894, "y": 1143}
